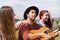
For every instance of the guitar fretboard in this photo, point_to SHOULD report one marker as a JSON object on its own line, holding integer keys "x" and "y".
{"x": 54, "y": 28}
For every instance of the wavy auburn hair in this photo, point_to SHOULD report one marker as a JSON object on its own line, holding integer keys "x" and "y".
{"x": 49, "y": 23}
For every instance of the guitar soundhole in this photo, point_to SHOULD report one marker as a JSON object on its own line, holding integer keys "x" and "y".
{"x": 46, "y": 32}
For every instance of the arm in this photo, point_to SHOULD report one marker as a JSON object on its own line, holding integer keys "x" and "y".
{"x": 34, "y": 36}
{"x": 17, "y": 25}
{"x": 26, "y": 35}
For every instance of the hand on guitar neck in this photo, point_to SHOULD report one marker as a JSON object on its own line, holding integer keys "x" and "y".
{"x": 57, "y": 33}
{"x": 39, "y": 35}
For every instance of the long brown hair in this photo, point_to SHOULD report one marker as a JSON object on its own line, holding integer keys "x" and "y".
{"x": 7, "y": 22}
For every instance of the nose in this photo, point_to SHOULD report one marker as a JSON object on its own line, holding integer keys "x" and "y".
{"x": 47, "y": 16}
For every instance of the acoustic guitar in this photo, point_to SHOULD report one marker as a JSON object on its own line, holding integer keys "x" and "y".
{"x": 46, "y": 30}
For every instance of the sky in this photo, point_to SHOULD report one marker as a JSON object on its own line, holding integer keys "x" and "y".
{"x": 19, "y": 6}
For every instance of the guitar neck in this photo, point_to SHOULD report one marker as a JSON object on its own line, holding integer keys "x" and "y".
{"x": 54, "y": 28}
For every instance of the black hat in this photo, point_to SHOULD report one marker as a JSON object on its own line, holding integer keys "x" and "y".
{"x": 28, "y": 10}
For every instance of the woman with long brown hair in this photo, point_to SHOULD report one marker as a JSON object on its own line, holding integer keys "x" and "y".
{"x": 7, "y": 23}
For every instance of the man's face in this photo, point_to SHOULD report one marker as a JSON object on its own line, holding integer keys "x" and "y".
{"x": 32, "y": 14}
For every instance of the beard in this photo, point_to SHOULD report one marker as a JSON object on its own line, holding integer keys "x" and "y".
{"x": 32, "y": 19}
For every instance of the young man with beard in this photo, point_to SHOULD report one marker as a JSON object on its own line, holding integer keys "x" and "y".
{"x": 29, "y": 24}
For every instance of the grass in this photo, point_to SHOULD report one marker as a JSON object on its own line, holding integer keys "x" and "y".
{"x": 17, "y": 32}
{"x": 57, "y": 38}
{"x": 54, "y": 25}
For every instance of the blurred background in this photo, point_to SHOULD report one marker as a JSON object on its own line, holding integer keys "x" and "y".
{"x": 19, "y": 6}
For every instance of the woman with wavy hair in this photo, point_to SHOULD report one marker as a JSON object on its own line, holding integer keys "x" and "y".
{"x": 7, "y": 23}
{"x": 45, "y": 19}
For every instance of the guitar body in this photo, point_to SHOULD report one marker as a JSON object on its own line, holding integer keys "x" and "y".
{"x": 51, "y": 34}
